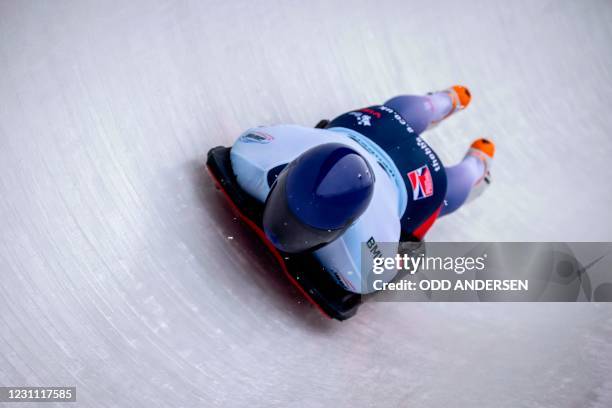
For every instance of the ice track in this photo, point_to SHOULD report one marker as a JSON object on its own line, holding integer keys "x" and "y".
{"x": 123, "y": 273}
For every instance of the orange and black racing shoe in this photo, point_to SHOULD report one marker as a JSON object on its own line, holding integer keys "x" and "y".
{"x": 460, "y": 97}
{"x": 483, "y": 149}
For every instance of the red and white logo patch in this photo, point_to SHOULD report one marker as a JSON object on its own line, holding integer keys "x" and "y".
{"x": 421, "y": 182}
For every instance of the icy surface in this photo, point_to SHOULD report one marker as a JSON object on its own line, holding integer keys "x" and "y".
{"x": 124, "y": 274}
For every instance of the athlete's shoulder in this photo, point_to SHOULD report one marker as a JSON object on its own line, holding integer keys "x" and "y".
{"x": 282, "y": 128}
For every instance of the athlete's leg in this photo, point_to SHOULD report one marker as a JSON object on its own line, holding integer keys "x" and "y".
{"x": 467, "y": 180}
{"x": 423, "y": 111}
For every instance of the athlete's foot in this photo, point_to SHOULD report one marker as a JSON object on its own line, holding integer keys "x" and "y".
{"x": 448, "y": 101}
{"x": 461, "y": 96}
{"x": 483, "y": 150}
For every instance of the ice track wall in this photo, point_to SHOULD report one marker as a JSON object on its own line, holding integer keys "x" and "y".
{"x": 122, "y": 273}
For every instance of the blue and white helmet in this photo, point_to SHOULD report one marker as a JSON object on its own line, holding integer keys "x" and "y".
{"x": 317, "y": 197}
